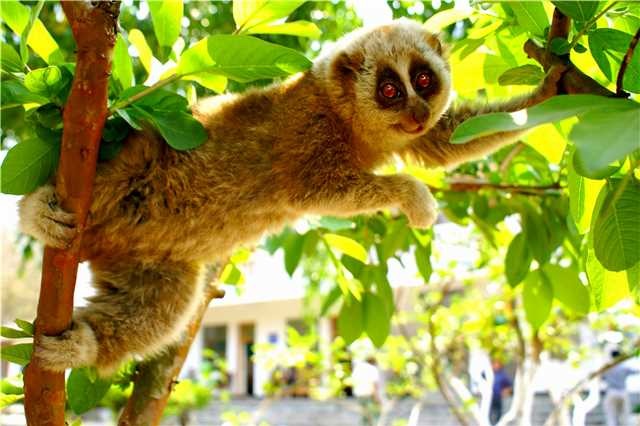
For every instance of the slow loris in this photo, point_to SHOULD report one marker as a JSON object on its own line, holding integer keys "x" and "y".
{"x": 309, "y": 144}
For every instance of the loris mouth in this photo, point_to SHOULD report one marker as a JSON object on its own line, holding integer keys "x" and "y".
{"x": 412, "y": 130}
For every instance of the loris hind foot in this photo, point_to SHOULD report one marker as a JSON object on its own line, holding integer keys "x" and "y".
{"x": 42, "y": 217}
{"x": 75, "y": 347}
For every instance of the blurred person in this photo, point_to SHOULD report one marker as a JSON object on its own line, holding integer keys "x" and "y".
{"x": 502, "y": 386}
{"x": 616, "y": 400}
{"x": 367, "y": 387}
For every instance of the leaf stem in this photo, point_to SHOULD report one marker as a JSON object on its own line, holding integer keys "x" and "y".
{"x": 122, "y": 103}
{"x": 625, "y": 63}
{"x": 587, "y": 26}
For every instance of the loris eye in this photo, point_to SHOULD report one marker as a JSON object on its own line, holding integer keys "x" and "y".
{"x": 390, "y": 91}
{"x": 423, "y": 80}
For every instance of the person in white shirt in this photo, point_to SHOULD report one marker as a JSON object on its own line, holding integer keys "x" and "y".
{"x": 367, "y": 387}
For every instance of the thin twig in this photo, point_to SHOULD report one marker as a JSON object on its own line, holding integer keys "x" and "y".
{"x": 587, "y": 26}
{"x": 517, "y": 149}
{"x": 625, "y": 63}
{"x": 473, "y": 186}
{"x": 146, "y": 91}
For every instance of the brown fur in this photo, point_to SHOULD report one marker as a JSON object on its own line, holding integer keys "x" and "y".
{"x": 307, "y": 145}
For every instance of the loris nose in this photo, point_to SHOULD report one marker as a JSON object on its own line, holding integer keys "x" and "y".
{"x": 420, "y": 113}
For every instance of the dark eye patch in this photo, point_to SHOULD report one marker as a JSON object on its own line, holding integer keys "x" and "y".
{"x": 387, "y": 75}
{"x": 420, "y": 66}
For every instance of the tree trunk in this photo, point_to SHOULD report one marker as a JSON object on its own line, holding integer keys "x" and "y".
{"x": 94, "y": 29}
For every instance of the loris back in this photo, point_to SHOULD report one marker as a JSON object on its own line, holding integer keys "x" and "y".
{"x": 308, "y": 145}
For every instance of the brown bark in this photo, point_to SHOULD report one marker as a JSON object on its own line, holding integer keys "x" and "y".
{"x": 94, "y": 29}
{"x": 155, "y": 378}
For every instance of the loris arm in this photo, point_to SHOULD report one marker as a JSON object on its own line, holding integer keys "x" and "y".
{"x": 434, "y": 148}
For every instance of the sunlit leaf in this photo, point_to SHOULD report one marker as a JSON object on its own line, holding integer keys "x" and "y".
{"x": 346, "y": 245}
{"x": 376, "y": 324}
{"x": 17, "y": 354}
{"x": 122, "y": 66}
{"x": 531, "y": 15}
{"x": 444, "y": 18}
{"x": 166, "y": 16}
{"x": 351, "y": 320}
{"x": 249, "y": 13}
{"x": 524, "y": 74}
{"x": 568, "y": 289}
{"x": 296, "y": 28}
{"x": 84, "y": 391}
{"x": 518, "y": 260}
{"x": 579, "y": 10}
{"x": 537, "y": 297}
{"x": 28, "y": 165}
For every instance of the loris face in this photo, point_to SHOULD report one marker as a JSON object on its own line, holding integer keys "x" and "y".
{"x": 392, "y": 82}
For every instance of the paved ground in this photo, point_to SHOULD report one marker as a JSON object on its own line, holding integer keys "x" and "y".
{"x": 304, "y": 412}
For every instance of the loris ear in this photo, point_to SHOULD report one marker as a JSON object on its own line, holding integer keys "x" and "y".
{"x": 348, "y": 65}
{"x": 436, "y": 44}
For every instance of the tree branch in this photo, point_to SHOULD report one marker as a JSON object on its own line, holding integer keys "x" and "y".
{"x": 474, "y": 186}
{"x": 625, "y": 63}
{"x": 94, "y": 29}
{"x": 156, "y": 377}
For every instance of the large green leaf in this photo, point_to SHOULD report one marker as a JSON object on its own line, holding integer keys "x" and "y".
{"x": 351, "y": 320}
{"x": 530, "y": 15}
{"x": 241, "y": 58}
{"x": 84, "y": 390}
{"x": 13, "y": 93}
{"x": 16, "y": 16}
{"x": 537, "y": 297}
{"x": 607, "y": 287}
{"x": 179, "y": 129}
{"x": 616, "y": 233}
{"x": 347, "y": 246}
{"x": 28, "y": 165}
{"x": 525, "y": 74}
{"x": 518, "y": 260}
{"x": 583, "y": 193}
{"x": 568, "y": 288}
{"x": 10, "y": 60}
{"x": 249, "y": 13}
{"x": 537, "y": 235}
{"x": 17, "y": 354}
{"x": 296, "y": 28}
{"x": 166, "y": 16}
{"x": 579, "y": 10}
{"x": 137, "y": 39}
{"x": 376, "y": 322}
{"x": 608, "y": 46}
{"x": 122, "y": 65}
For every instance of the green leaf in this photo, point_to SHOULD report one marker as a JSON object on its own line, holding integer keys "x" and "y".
{"x": 296, "y": 28}
{"x": 44, "y": 81}
{"x": 438, "y": 21}
{"x": 589, "y": 171}
{"x": 18, "y": 354}
{"x": 16, "y": 16}
{"x": 582, "y": 197}
{"x": 25, "y": 326}
{"x": 84, "y": 392}
{"x": 423, "y": 261}
{"x": 231, "y": 274}
{"x": 24, "y": 36}
{"x": 376, "y": 323}
{"x": 568, "y": 288}
{"x": 249, "y": 13}
{"x": 530, "y": 15}
{"x": 616, "y": 233}
{"x": 525, "y": 74}
{"x": 330, "y": 300}
{"x": 550, "y": 111}
{"x": 12, "y": 385}
{"x": 346, "y": 245}
{"x": 167, "y": 20}
{"x": 10, "y": 60}
{"x": 6, "y": 400}
{"x": 137, "y": 39}
{"x": 28, "y": 165}
{"x": 353, "y": 265}
{"x": 537, "y": 236}
{"x": 607, "y": 287}
{"x": 293, "y": 246}
{"x": 579, "y": 10}
{"x": 241, "y": 58}
{"x": 334, "y": 224}
{"x": 12, "y": 333}
{"x": 122, "y": 66}
{"x": 14, "y": 93}
{"x": 560, "y": 46}
{"x": 537, "y": 297}
{"x": 608, "y": 46}
{"x": 518, "y": 260}
{"x": 351, "y": 320}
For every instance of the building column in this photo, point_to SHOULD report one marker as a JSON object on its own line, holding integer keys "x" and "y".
{"x": 236, "y": 384}
{"x": 325, "y": 337}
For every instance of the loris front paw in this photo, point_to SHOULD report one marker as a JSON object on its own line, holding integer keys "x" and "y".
{"x": 549, "y": 86}
{"x": 420, "y": 207}
{"x": 76, "y": 347}
{"x": 42, "y": 217}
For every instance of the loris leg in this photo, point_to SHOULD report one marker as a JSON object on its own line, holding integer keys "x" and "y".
{"x": 42, "y": 217}
{"x": 434, "y": 148}
{"x": 139, "y": 310}
{"x": 365, "y": 193}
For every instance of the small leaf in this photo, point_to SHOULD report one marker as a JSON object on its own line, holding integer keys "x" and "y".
{"x": 249, "y": 13}
{"x": 137, "y": 39}
{"x": 347, "y": 245}
{"x": 537, "y": 236}
{"x": 6, "y": 400}
{"x": 525, "y": 74}
{"x": 44, "y": 81}
{"x": 560, "y": 46}
{"x": 14, "y": 93}
{"x": 579, "y": 10}
{"x": 293, "y": 246}
{"x": 616, "y": 233}
{"x": 296, "y": 28}
{"x": 330, "y": 300}
{"x": 25, "y": 326}
{"x": 10, "y": 60}
{"x": 167, "y": 20}
{"x": 28, "y": 165}
{"x": 351, "y": 320}
{"x": 122, "y": 66}
{"x": 376, "y": 323}
{"x": 583, "y": 193}
{"x": 423, "y": 262}
{"x": 518, "y": 260}
{"x": 530, "y": 15}
{"x": 440, "y": 20}
{"x": 335, "y": 224}
{"x": 537, "y": 297}
{"x": 83, "y": 392}
{"x": 12, "y": 333}
{"x": 18, "y": 354}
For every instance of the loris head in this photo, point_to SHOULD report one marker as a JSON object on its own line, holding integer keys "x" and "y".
{"x": 391, "y": 82}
